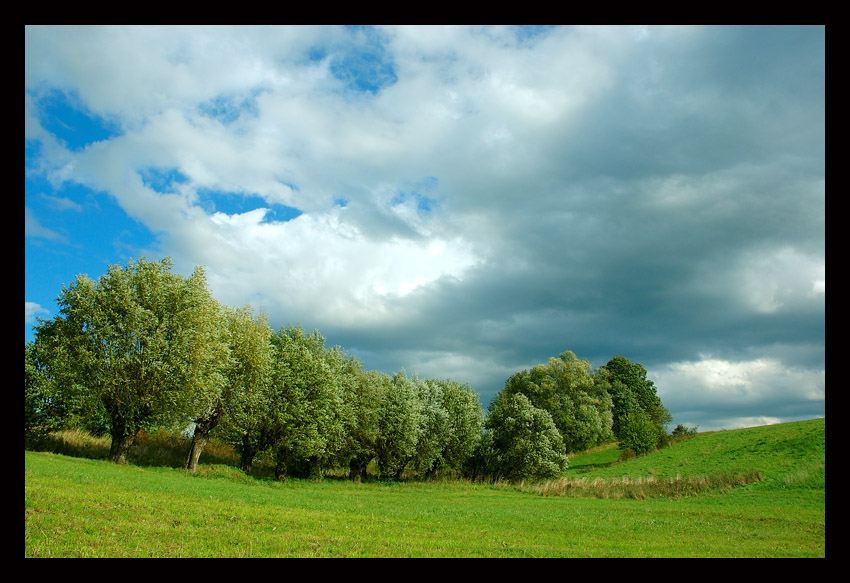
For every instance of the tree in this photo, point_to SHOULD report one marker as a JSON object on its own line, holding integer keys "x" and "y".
{"x": 434, "y": 430}
{"x": 632, "y": 392}
{"x": 44, "y": 410}
{"x": 455, "y": 429}
{"x": 400, "y": 424}
{"x": 310, "y": 408}
{"x": 141, "y": 344}
{"x": 524, "y": 441}
{"x": 577, "y": 399}
{"x": 247, "y": 374}
{"x": 362, "y": 394}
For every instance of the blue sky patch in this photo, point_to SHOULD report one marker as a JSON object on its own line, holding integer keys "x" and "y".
{"x": 162, "y": 180}
{"x": 229, "y": 109}
{"x": 422, "y": 192}
{"x": 60, "y": 114}
{"x": 233, "y": 203}
{"x": 75, "y": 231}
{"x": 529, "y": 32}
{"x": 364, "y": 65}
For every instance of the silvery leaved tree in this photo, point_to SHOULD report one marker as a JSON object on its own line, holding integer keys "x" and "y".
{"x": 575, "y": 397}
{"x": 141, "y": 346}
{"x": 308, "y": 406}
{"x": 247, "y": 374}
{"x": 401, "y": 421}
{"x": 524, "y": 442}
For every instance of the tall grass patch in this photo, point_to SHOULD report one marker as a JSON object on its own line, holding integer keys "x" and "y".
{"x": 642, "y": 488}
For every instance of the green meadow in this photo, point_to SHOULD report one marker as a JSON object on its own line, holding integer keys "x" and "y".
{"x": 756, "y": 492}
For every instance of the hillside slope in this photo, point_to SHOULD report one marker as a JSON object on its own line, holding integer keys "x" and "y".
{"x": 788, "y": 455}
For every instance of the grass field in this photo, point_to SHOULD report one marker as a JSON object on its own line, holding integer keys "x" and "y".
{"x": 78, "y": 507}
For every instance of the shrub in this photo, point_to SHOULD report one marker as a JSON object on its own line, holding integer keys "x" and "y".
{"x": 627, "y": 454}
{"x": 681, "y": 433}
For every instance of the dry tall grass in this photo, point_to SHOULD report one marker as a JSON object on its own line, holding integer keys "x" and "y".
{"x": 643, "y": 488}
{"x": 159, "y": 448}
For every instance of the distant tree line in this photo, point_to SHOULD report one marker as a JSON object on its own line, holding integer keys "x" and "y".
{"x": 143, "y": 348}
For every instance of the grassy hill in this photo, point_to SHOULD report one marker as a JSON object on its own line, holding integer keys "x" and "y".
{"x": 788, "y": 455}
{"x": 78, "y": 507}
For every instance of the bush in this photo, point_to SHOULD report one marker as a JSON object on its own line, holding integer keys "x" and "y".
{"x": 681, "y": 433}
{"x": 627, "y": 454}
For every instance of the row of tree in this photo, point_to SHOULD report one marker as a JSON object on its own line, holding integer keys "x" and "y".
{"x": 564, "y": 406}
{"x": 142, "y": 348}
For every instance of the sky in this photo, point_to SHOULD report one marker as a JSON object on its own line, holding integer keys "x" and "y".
{"x": 459, "y": 202}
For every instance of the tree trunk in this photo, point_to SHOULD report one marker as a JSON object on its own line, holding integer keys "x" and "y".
{"x": 399, "y": 472}
{"x": 200, "y": 438}
{"x": 199, "y": 441}
{"x": 248, "y": 453}
{"x": 122, "y": 436}
{"x": 431, "y": 473}
{"x": 315, "y": 468}
{"x": 280, "y": 469}
{"x": 122, "y": 441}
{"x": 357, "y": 468}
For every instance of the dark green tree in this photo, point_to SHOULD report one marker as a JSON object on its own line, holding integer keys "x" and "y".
{"x": 631, "y": 392}
{"x": 638, "y": 433}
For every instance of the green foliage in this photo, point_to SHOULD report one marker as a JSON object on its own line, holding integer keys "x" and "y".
{"x": 464, "y": 424}
{"x": 142, "y": 348}
{"x": 577, "y": 400}
{"x": 44, "y": 410}
{"x": 632, "y": 392}
{"x": 247, "y": 375}
{"x": 434, "y": 428}
{"x": 309, "y": 413}
{"x": 627, "y": 454}
{"x": 363, "y": 392}
{"x": 401, "y": 421}
{"x": 141, "y": 345}
{"x": 525, "y": 442}
{"x": 638, "y": 433}
{"x": 680, "y": 432}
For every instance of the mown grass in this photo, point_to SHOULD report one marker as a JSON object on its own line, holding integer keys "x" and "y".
{"x": 77, "y": 507}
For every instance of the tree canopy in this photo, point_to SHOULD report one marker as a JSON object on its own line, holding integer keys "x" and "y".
{"x": 525, "y": 442}
{"x": 141, "y": 344}
{"x": 247, "y": 375}
{"x": 634, "y": 398}
{"x": 577, "y": 399}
